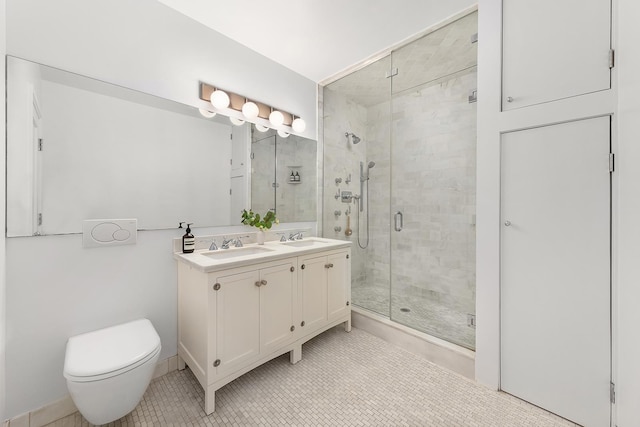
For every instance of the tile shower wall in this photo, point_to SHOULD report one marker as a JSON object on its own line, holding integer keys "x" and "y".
{"x": 342, "y": 158}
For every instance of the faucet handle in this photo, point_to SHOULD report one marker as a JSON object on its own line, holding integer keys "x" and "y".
{"x": 237, "y": 243}
{"x": 213, "y": 246}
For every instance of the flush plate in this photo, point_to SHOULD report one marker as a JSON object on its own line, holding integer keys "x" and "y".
{"x": 109, "y": 232}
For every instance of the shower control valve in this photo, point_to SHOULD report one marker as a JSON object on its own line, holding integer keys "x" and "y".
{"x": 347, "y": 196}
{"x": 337, "y": 229}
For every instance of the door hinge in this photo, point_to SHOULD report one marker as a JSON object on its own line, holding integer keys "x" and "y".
{"x": 39, "y": 219}
{"x": 231, "y": 192}
{"x": 473, "y": 96}
{"x": 612, "y": 58}
{"x": 471, "y": 320}
{"x": 612, "y": 392}
{"x": 474, "y": 38}
{"x": 40, "y": 142}
{"x": 391, "y": 73}
{"x": 611, "y": 162}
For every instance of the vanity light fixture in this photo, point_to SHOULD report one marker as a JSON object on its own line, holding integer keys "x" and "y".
{"x": 283, "y": 134}
{"x": 220, "y": 99}
{"x": 261, "y": 128}
{"x": 236, "y": 121}
{"x": 250, "y": 110}
{"x": 298, "y": 124}
{"x": 206, "y": 113}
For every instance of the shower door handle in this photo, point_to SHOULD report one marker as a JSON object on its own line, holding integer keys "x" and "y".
{"x": 398, "y": 221}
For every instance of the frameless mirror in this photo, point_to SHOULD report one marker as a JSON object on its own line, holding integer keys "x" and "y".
{"x": 79, "y": 148}
{"x": 284, "y": 176}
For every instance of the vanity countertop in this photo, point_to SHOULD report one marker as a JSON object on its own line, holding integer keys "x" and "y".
{"x": 208, "y": 261}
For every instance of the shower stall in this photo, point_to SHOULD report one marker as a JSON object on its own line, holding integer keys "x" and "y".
{"x": 410, "y": 124}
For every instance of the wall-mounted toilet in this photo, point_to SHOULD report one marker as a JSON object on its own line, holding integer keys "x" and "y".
{"x": 109, "y": 370}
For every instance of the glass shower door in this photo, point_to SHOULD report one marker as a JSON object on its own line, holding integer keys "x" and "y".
{"x": 433, "y": 158}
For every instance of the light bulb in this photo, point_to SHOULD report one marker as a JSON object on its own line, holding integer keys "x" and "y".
{"x": 261, "y": 128}
{"x": 250, "y": 110}
{"x": 298, "y": 125}
{"x": 206, "y": 113}
{"x": 220, "y": 99}
{"x": 283, "y": 134}
{"x": 276, "y": 118}
{"x": 236, "y": 121}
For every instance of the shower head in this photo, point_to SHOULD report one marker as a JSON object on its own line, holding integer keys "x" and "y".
{"x": 371, "y": 164}
{"x": 354, "y": 138}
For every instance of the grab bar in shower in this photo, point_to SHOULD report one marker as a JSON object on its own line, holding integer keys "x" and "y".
{"x": 398, "y": 225}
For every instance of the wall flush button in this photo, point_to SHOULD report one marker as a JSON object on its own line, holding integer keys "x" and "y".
{"x": 109, "y": 232}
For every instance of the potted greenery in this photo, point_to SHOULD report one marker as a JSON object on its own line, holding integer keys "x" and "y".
{"x": 262, "y": 223}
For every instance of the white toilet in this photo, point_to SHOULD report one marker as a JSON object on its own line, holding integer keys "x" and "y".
{"x": 108, "y": 370}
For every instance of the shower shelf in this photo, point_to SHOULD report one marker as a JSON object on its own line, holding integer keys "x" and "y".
{"x": 294, "y": 182}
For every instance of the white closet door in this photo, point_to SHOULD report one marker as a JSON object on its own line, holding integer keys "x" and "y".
{"x": 555, "y": 269}
{"x": 554, "y": 49}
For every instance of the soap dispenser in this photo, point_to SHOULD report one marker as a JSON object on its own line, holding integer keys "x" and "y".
{"x": 188, "y": 240}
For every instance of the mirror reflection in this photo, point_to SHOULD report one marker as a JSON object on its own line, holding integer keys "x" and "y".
{"x": 78, "y": 148}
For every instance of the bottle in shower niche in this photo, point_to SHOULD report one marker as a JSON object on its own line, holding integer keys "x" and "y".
{"x": 292, "y": 177}
{"x": 188, "y": 240}
{"x": 297, "y": 177}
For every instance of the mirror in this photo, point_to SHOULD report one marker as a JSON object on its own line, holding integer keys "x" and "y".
{"x": 284, "y": 176}
{"x": 79, "y": 148}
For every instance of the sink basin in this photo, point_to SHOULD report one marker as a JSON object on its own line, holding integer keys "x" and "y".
{"x": 236, "y": 252}
{"x": 305, "y": 243}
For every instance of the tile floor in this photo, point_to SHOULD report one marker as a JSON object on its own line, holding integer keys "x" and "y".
{"x": 344, "y": 379}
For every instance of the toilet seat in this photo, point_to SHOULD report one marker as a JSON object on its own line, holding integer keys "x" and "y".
{"x": 111, "y": 351}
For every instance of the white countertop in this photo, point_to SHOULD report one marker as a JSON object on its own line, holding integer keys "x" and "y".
{"x": 221, "y": 259}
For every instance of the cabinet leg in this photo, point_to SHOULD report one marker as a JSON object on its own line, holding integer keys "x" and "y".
{"x": 209, "y": 400}
{"x": 295, "y": 355}
{"x": 181, "y": 363}
{"x": 347, "y": 325}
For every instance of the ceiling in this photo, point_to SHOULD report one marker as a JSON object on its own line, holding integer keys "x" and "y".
{"x": 318, "y": 38}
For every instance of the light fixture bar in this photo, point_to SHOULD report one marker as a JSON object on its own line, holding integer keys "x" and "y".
{"x": 237, "y": 101}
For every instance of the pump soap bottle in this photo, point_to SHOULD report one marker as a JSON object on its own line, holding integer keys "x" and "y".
{"x": 188, "y": 240}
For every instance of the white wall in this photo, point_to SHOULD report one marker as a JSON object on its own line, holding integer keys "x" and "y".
{"x": 628, "y": 248}
{"x": 55, "y": 289}
{"x": 2, "y": 220}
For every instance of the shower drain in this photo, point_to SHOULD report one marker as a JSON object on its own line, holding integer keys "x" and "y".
{"x": 405, "y": 309}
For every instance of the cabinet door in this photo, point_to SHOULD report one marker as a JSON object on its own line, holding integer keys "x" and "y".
{"x": 555, "y": 269}
{"x": 313, "y": 288}
{"x": 554, "y": 50}
{"x": 338, "y": 289}
{"x": 237, "y": 320}
{"x": 277, "y": 304}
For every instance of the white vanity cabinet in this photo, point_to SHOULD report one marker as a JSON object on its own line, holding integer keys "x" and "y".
{"x": 234, "y": 318}
{"x": 325, "y": 288}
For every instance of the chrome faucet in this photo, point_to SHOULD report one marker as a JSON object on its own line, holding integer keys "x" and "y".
{"x": 225, "y": 243}
{"x": 213, "y": 246}
{"x": 296, "y": 236}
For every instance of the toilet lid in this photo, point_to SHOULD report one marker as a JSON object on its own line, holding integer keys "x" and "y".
{"x": 110, "y": 349}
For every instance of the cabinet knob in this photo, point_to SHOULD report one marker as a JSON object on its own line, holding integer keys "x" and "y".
{"x": 302, "y": 323}
{"x": 258, "y": 283}
{"x": 292, "y": 269}
{"x": 347, "y": 256}
{"x": 216, "y": 363}
{"x": 263, "y": 282}
{"x": 509, "y": 99}
{"x": 302, "y": 266}
{"x": 216, "y": 287}
{"x": 347, "y": 302}
{"x": 328, "y": 265}
{"x": 292, "y": 328}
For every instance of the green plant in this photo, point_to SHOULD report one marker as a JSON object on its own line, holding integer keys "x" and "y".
{"x": 253, "y": 219}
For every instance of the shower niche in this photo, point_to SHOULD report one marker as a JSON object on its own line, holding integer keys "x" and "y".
{"x": 408, "y": 138}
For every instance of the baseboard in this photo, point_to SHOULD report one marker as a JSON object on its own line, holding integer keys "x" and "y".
{"x": 64, "y": 407}
{"x": 453, "y": 357}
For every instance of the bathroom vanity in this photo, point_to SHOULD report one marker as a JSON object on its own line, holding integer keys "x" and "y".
{"x": 241, "y": 307}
